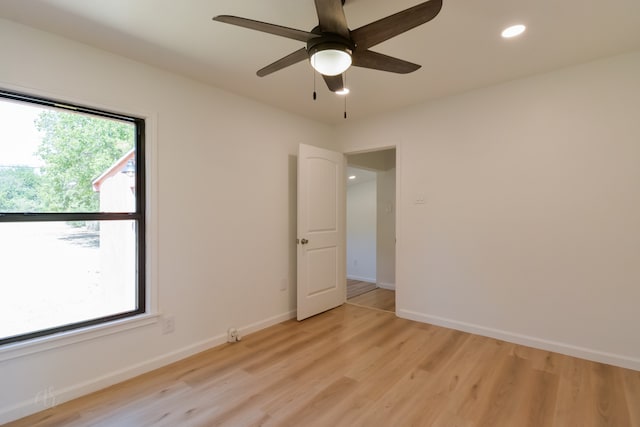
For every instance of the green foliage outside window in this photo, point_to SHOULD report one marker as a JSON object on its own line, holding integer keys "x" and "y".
{"x": 18, "y": 189}
{"x": 75, "y": 150}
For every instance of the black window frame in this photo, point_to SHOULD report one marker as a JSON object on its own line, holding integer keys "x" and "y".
{"x": 139, "y": 216}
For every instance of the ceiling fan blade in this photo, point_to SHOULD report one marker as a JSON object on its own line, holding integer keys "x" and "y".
{"x": 331, "y": 17}
{"x": 293, "y": 58}
{"x": 334, "y": 83}
{"x": 386, "y": 28}
{"x": 278, "y": 30}
{"x": 378, "y": 61}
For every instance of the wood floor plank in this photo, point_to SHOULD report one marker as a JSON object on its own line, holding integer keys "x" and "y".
{"x": 574, "y": 395}
{"x": 382, "y": 299}
{"x": 504, "y": 393}
{"x": 538, "y": 401}
{"x": 474, "y": 375}
{"x": 631, "y": 381}
{"x": 358, "y": 287}
{"x": 611, "y": 403}
{"x": 355, "y": 366}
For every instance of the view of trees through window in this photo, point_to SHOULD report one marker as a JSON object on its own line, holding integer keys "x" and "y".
{"x": 63, "y": 262}
{"x": 74, "y": 149}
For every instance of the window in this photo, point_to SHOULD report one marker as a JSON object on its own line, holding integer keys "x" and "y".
{"x": 72, "y": 217}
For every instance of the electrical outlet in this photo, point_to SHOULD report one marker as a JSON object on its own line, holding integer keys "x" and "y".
{"x": 168, "y": 324}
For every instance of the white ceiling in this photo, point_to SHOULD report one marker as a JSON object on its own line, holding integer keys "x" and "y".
{"x": 459, "y": 50}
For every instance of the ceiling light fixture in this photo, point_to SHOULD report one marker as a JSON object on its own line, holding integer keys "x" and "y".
{"x": 352, "y": 177}
{"x": 330, "y": 59}
{"x": 513, "y": 31}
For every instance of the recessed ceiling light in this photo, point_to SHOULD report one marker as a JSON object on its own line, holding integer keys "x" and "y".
{"x": 352, "y": 177}
{"x": 513, "y": 31}
{"x": 343, "y": 91}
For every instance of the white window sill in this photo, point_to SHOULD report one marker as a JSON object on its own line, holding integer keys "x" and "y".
{"x": 37, "y": 345}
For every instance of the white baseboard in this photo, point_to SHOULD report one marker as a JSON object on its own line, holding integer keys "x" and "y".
{"x": 557, "y": 347}
{"x": 390, "y": 286}
{"x": 361, "y": 278}
{"x": 56, "y": 397}
{"x": 254, "y": 327}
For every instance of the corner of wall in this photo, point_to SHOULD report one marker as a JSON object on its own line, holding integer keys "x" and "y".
{"x": 529, "y": 341}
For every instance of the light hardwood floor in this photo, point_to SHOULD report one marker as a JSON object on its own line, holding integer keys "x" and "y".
{"x": 354, "y": 366}
{"x": 382, "y": 299}
{"x": 358, "y": 287}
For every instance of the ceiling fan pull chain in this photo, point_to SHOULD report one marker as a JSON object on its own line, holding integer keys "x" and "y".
{"x": 345, "y": 95}
{"x": 314, "y": 86}
{"x": 314, "y": 83}
{"x": 345, "y": 106}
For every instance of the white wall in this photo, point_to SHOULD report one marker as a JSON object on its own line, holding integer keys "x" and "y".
{"x": 361, "y": 231}
{"x": 224, "y": 239}
{"x": 381, "y": 160}
{"x": 386, "y": 229}
{"x": 530, "y": 230}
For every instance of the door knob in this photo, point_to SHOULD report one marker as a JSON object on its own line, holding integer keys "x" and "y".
{"x": 304, "y": 241}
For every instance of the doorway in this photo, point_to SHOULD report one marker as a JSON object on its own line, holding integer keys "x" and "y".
{"x": 370, "y": 229}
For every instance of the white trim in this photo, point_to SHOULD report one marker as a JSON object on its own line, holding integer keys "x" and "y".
{"x": 362, "y": 279}
{"x": 254, "y": 327}
{"x": 397, "y": 145}
{"x": 399, "y": 215}
{"x": 151, "y": 209}
{"x": 12, "y": 351}
{"x": 389, "y": 286}
{"x": 31, "y": 406}
{"x": 62, "y": 339}
{"x": 529, "y": 341}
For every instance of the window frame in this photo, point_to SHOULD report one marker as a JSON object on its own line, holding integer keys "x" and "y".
{"x": 138, "y": 217}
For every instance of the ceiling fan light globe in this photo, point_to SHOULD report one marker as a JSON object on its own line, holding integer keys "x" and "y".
{"x": 331, "y": 62}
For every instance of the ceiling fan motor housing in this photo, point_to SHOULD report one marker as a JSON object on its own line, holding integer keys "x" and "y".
{"x": 329, "y": 41}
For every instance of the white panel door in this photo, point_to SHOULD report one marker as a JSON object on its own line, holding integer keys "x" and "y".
{"x": 321, "y": 231}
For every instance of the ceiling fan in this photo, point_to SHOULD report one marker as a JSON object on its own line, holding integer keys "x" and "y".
{"x": 332, "y": 48}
